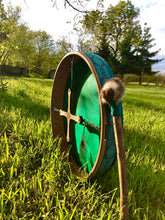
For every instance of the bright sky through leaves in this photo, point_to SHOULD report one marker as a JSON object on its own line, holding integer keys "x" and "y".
{"x": 58, "y": 21}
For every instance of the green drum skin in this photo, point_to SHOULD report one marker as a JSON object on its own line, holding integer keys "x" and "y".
{"x": 88, "y": 108}
{"x": 85, "y": 103}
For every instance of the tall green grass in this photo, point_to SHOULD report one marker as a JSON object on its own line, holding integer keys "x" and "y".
{"x": 36, "y": 181}
{"x": 144, "y": 129}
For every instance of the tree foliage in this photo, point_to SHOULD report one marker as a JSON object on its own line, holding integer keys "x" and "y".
{"x": 114, "y": 34}
{"x": 117, "y": 36}
{"x": 112, "y": 26}
{"x": 144, "y": 53}
{"x": 20, "y": 46}
{"x": 9, "y": 25}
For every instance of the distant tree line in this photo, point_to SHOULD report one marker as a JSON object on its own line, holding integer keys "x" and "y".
{"x": 115, "y": 34}
{"x": 19, "y": 46}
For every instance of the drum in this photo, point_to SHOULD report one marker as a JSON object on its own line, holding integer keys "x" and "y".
{"x": 78, "y": 115}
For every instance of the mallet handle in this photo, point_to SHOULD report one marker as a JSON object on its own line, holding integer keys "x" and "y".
{"x": 121, "y": 158}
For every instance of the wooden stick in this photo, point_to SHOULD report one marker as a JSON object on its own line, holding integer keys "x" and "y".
{"x": 69, "y": 116}
{"x": 121, "y": 158}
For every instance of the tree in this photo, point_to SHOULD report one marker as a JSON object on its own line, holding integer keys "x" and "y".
{"x": 3, "y": 35}
{"x": 9, "y": 26}
{"x": 126, "y": 62}
{"x": 109, "y": 30}
{"x": 20, "y": 46}
{"x": 103, "y": 49}
{"x": 2, "y": 15}
{"x": 35, "y": 50}
{"x": 144, "y": 56}
{"x": 44, "y": 47}
{"x": 117, "y": 36}
{"x": 112, "y": 25}
{"x": 64, "y": 46}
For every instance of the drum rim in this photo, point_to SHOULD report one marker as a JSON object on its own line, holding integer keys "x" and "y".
{"x": 58, "y": 87}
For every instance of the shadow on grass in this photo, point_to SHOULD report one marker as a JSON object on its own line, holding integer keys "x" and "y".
{"x": 141, "y": 145}
{"x": 145, "y": 173}
{"x": 25, "y": 106}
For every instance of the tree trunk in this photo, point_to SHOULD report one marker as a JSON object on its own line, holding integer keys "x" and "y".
{"x": 126, "y": 80}
{"x": 140, "y": 79}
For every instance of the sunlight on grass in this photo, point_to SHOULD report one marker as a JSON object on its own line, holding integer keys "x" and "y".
{"x": 36, "y": 181}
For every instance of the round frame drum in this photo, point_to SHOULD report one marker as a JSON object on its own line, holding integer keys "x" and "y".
{"x": 78, "y": 116}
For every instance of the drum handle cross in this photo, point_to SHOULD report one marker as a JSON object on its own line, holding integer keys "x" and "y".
{"x": 69, "y": 116}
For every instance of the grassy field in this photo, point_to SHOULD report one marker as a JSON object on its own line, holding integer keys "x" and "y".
{"x": 35, "y": 179}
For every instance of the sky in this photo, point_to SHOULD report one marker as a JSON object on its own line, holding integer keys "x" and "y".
{"x": 58, "y": 21}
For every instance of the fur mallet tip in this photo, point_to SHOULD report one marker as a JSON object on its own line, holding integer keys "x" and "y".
{"x": 113, "y": 89}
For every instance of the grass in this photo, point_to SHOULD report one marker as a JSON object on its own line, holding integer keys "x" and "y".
{"x": 36, "y": 181}
{"x": 145, "y": 142}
